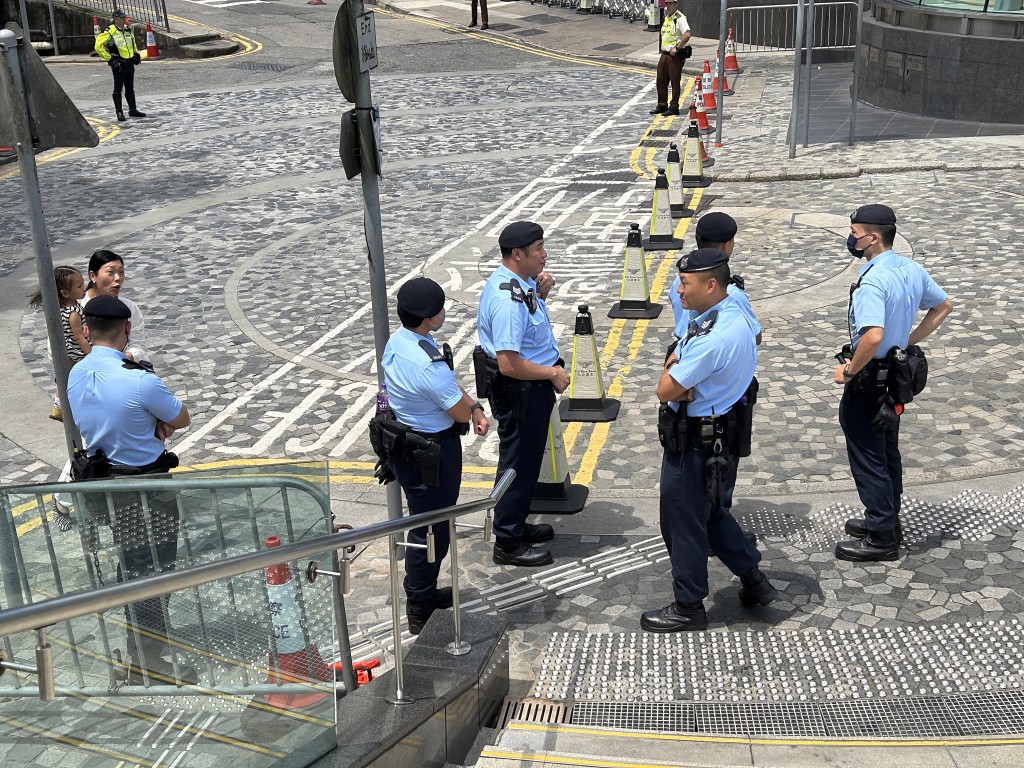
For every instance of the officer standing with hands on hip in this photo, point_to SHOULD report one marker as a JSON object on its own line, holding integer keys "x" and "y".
{"x": 116, "y": 46}
{"x": 672, "y": 39}
{"x": 699, "y": 386}
{"x": 883, "y": 305}
{"x": 125, "y": 413}
{"x": 523, "y": 373}
{"x": 424, "y": 393}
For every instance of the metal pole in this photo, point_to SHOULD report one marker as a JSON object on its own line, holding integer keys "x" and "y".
{"x": 807, "y": 71}
{"x": 855, "y": 90}
{"x": 399, "y": 696}
{"x": 53, "y": 28}
{"x": 341, "y": 627}
{"x": 44, "y": 261}
{"x": 721, "y": 72}
{"x": 371, "y": 221}
{"x": 794, "y": 109}
{"x": 24, "y": 20}
{"x": 458, "y": 646}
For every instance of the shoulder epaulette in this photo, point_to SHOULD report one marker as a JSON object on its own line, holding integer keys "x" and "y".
{"x": 137, "y": 365}
{"x": 432, "y": 352}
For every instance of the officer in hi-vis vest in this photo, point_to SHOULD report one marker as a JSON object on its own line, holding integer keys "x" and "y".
{"x": 672, "y": 39}
{"x": 433, "y": 412}
{"x": 116, "y": 46}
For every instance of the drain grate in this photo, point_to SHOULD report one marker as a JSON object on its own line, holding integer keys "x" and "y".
{"x": 534, "y": 711}
{"x": 640, "y": 716}
{"x": 260, "y": 66}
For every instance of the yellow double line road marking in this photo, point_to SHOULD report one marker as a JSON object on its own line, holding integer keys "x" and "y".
{"x": 105, "y": 130}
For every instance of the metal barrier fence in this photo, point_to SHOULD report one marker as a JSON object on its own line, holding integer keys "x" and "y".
{"x": 153, "y": 11}
{"x": 775, "y": 28}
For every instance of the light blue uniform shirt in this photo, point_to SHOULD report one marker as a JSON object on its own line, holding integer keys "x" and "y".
{"x": 716, "y": 363}
{"x": 505, "y": 323}
{"x": 684, "y": 316}
{"x": 421, "y": 386}
{"x": 117, "y": 408}
{"x": 892, "y": 289}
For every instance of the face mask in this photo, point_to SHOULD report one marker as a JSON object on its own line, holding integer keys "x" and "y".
{"x": 851, "y": 246}
{"x": 440, "y": 322}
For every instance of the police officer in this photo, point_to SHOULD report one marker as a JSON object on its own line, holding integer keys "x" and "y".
{"x": 123, "y": 409}
{"x": 425, "y": 395}
{"x": 710, "y": 371}
{"x": 116, "y": 46}
{"x": 672, "y": 39}
{"x": 515, "y": 331}
{"x": 883, "y": 306}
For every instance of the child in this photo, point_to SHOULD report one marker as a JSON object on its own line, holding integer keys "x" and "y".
{"x": 70, "y": 290}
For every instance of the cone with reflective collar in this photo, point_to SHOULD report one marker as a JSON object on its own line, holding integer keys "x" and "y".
{"x": 676, "y": 194}
{"x": 698, "y": 104}
{"x": 710, "y": 102}
{"x": 555, "y": 492}
{"x": 732, "y": 64}
{"x": 661, "y": 235}
{"x": 634, "y": 294}
{"x": 152, "y": 52}
{"x": 692, "y": 169}
{"x": 585, "y": 399}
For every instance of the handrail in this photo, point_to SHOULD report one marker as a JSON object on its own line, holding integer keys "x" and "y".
{"x": 47, "y": 612}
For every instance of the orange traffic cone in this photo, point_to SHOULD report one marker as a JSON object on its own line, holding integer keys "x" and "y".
{"x": 96, "y": 27}
{"x": 726, "y": 90}
{"x": 710, "y": 102}
{"x": 294, "y": 662}
{"x": 732, "y": 65}
{"x": 706, "y": 160}
{"x": 698, "y": 102}
{"x": 152, "y": 52}
{"x": 315, "y": 2}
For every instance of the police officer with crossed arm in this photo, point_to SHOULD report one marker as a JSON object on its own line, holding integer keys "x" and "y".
{"x": 884, "y": 303}
{"x": 519, "y": 344}
{"x": 700, "y": 384}
{"x": 425, "y": 395}
{"x": 125, "y": 413}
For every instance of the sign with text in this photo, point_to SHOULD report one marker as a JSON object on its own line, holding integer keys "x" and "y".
{"x": 367, "y": 38}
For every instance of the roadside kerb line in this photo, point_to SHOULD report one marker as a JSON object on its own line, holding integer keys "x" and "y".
{"x": 106, "y": 131}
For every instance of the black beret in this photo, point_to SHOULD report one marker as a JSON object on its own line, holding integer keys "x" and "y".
{"x": 701, "y": 260}
{"x": 421, "y": 297}
{"x": 119, "y": 14}
{"x": 716, "y": 227}
{"x": 873, "y": 214}
{"x": 108, "y": 307}
{"x": 520, "y": 234}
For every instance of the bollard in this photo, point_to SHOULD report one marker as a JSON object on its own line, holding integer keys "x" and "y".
{"x": 555, "y": 493}
{"x": 586, "y": 399}
{"x": 661, "y": 237}
{"x": 634, "y": 295}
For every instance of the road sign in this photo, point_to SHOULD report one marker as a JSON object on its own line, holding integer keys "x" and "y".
{"x": 367, "y": 42}
{"x": 341, "y": 53}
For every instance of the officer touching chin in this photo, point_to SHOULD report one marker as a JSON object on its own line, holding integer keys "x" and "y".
{"x": 425, "y": 395}
{"x": 524, "y": 371}
{"x": 883, "y": 306}
{"x": 704, "y": 379}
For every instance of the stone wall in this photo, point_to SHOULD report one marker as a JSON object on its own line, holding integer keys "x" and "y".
{"x": 74, "y": 24}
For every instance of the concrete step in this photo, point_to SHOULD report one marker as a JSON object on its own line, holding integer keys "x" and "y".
{"x": 208, "y": 49}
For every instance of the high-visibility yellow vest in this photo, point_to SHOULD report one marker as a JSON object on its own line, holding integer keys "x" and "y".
{"x": 670, "y": 32}
{"x": 121, "y": 39}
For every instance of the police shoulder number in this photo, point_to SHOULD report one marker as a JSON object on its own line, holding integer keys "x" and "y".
{"x": 432, "y": 352}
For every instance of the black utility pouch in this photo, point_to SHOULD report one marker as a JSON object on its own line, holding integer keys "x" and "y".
{"x": 742, "y": 421}
{"x": 428, "y": 461}
{"x": 90, "y": 467}
{"x": 671, "y": 429}
{"x": 485, "y": 370}
{"x": 899, "y": 382}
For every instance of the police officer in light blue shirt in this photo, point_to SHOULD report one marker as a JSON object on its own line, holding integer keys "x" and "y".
{"x": 425, "y": 395}
{"x": 884, "y": 302}
{"x": 515, "y": 331}
{"x": 709, "y": 372}
{"x": 124, "y": 410}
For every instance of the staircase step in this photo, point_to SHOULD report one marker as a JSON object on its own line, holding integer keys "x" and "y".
{"x": 209, "y": 48}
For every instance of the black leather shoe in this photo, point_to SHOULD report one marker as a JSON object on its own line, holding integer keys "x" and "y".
{"x": 675, "y": 618}
{"x": 858, "y": 528}
{"x": 755, "y": 589}
{"x": 472, "y": 23}
{"x": 135, "y": 113}
{"x": 418, "y": 613}
{"x": 659, "y": 110}
{"x": 668, "y": 112}
{"x": 443, "y": 598}
{"x": 869, "y": 549}
{"x": 161, "y": 672}
{"x": 120, "y": 117}
{"x": 537, "y": 534}
{"x": 523, "y": 555}
{"x": 483, "y": 26}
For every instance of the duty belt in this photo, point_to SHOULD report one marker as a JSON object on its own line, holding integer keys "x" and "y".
{"x": 455, "y": 430}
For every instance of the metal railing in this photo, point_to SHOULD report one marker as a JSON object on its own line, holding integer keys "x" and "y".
{"x": 775, "y": 27}
{"x": 37, "y": 617}
{"x": 153, "y": 11}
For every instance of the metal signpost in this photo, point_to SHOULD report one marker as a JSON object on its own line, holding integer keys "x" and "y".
{"x": 721, "y": 73}
{"x": 36, "y": 113}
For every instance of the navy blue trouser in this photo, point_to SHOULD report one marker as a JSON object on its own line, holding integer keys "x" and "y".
{"x": 421, "y": 576}
{"x": 124, "y": 77}
{"x": 874, "y": 457}
{"x": 691, "y": 527}
{"x": 520, "y": 447}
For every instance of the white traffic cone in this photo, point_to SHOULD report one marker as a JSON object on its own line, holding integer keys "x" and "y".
{"x": 634, "y": 294}
{"x": 586, "y": 399}
{"x": 555, "y": 492}
{"x": 692, "y": 169}
{"x": 661, "y": 237}
{"x": 676, "y": 193}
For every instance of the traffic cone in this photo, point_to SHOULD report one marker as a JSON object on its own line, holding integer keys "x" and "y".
{"x": 96, "y": 27}
{"x": 698, "y": 102}
{"x": 586, "y": 400}
{"x": 676, "y": 195}
{"x": 706, "y": 160}
{"x": 634, "y": 295}
{"x": 152, "y": 52}
{"x": 315, "y": 2}
{"x": 294, "y": 662}
{"x": 710, "y": 102}
{"x": 555, "y": 492}
{"x": 662, "y": 231}
{"x": 726, "y": 90}
{"x": 732, "y": 64}
{"x": 692, "y": 173}
{"x": 653, "y": 16}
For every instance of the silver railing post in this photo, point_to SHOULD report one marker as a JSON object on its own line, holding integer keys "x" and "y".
{"x": 794, "y": 109}
{"x": 855, "y": 91}
{"x": 458, "y": 646}
{"x": 44, "y": 667}
{"x": 721, "y": 71}
{"x": 341, "y": 625}
{"x": 399, "y": 696}
{"x": 807, "y": 72}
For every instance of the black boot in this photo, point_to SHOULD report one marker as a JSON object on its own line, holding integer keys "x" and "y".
{"x": 518, "y": 552}
{"x": 675, "y": 617}
{"x": 418, "y": 612}
{"x": 119, "y": 107}
{"x": 877, "y": 546}
{"x": 858, "y": 528}
{"x": 755, "y": 588}
{"x": 132, "y": 109}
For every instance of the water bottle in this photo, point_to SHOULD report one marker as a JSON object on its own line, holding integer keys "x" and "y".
{"x": 382, "y": 398}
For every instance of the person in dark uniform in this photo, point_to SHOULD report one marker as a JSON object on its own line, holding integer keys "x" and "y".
{"x": 673, "y": 36}
{"x": 884, "y": 302}
{"x": 116, "y": 46}
{"x": 709, "y": 372}
{"x": 425, "y": 395}
{"x": 515, "y": 331}
{"x": 124, "y": 410}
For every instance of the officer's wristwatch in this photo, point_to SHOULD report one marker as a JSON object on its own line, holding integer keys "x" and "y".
{"x": 475, "y": 407}
{"x": 846, "y": 371}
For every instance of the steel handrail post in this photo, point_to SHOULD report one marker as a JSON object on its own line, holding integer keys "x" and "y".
{"x": 399, "y": 696}
{"x": 457, "y": 647}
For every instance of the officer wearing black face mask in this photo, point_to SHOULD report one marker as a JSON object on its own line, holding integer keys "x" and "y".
{"x": 884, "y": 302}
